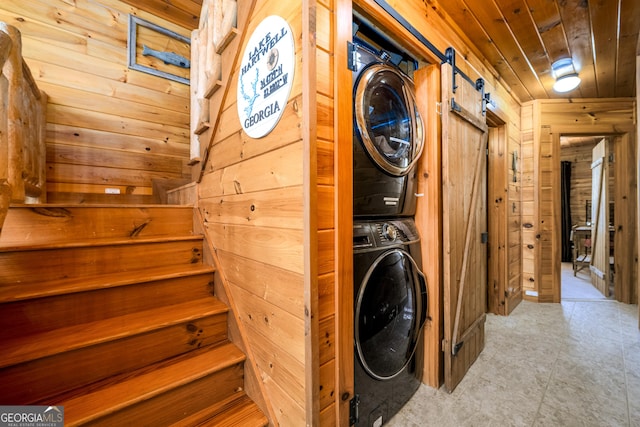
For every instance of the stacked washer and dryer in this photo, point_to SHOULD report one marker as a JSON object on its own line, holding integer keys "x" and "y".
{"x": 390, "y": 296}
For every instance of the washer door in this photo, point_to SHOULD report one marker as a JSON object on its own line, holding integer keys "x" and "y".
{"x": 390, "y": 311}
{"x": 387, "y": 119}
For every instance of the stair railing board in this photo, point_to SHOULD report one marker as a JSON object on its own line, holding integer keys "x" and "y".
{"x": 219, "y": 22}
{"x": 5, "y": 189}
{"x": 206, "y": 69}
{"x": 25, "y": 125}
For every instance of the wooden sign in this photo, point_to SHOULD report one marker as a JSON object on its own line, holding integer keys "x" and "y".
{"x": 266, "y": 76}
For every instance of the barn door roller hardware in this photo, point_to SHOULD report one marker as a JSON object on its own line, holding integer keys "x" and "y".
{"x": 414, "y": 32}
{"x": 486, "y": 97}
{"x": 450, "y": 55}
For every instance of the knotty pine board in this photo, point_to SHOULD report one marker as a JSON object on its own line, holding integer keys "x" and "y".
{"x": 79, "y": 56}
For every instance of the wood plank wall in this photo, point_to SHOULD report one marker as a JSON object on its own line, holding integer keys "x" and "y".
{"x": 513, "y": 292}
{"x": 108, "y": 126}
{"x": 253, "y": 196}
{"x": 530, "y": 248}
{"x": 543, "y": 123}
{"x": 504, "y": 217}
{"x": 325, "y": 90}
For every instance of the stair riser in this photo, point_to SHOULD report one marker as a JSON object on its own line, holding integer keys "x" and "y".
{"x": 53, "y": 264}
{"x": 176, "y": 404}
{"x": 44, "y": 314}
{"x": 42, "y": 224}
{"x": 39, "y": 380}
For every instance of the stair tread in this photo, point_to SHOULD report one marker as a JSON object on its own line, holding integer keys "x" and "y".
{"x": 242, "y": 412}
{"x": 101, "y": 402}
{"x": 236, "y": 410}
{"x": 99, "y": 205}
{"x": 103, "y": 241}
{"x": 35, "y": 346}
{"x": 22, "y": 291}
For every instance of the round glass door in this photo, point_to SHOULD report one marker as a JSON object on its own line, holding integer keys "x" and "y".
{"x": 387, "y": 118}
{"x": 390, "y": 311}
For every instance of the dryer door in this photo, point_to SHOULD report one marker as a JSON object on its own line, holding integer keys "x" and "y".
{"x": 387, "y": 119}
{"x": 390, "y": 310}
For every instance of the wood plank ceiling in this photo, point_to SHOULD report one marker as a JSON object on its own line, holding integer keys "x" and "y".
{"x": 185, "y": 13}
{"x": 522, "y": 38}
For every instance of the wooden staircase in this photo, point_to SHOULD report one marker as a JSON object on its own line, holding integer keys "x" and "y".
{"x": 109, "y": 311}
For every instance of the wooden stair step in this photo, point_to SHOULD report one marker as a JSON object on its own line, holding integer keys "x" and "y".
{"x": 108, "y": 401}
{"x": 99, "y": 242}
{"x": 38, "y": 224}
{"x": 236, "y": 410}
{"x": 39, "y": 289}
{"x": 35, "y": 346}
{"x": 86, "y": 259}
{"x": 241, "y": 412}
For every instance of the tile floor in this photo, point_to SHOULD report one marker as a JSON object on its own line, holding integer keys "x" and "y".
{"x": 571, "y": 364}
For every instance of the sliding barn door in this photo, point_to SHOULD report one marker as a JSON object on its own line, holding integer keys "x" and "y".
{"x": 464, "y": 199}
{"x": 600, "y": 218}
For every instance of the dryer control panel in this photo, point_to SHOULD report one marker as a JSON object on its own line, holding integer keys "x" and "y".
{"x": 379, "y": 233}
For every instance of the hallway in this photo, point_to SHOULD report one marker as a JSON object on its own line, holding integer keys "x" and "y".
{"x": 570, "y": 364}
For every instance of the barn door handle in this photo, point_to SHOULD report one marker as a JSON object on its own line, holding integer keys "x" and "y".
{"x": 484, "y": 237}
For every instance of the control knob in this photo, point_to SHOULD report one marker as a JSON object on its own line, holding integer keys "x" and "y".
{"x": 389, "y": 231}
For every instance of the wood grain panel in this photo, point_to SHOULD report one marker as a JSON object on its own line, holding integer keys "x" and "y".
{"x": 604, "y": 18}
{"x": 91, "y": 89}
{"x": 117, "y": 107}
{"x": 86, "y": 156}
{"x": 579, "y": 40}
{"x": 629, "y": 29}
{"x": 625, "y": 248}
{"x": 281, "y": 328}
{"x": 279, "y": 168}
{"x": 273, "y": 246}
{"x": 535, "y": 29}
{"x": 185, "y": 13}
{"x": 84, "y": 137}
{"x": 327, "y": 340}
{"x": 463, "y": 22}
{"x": 327, "y": 384}
{"x": 94, "y": 84}
{"x": 341, "y": 161}
{"x": 279, "y": 365}
{"x": 236, "y": 147}
{"x": 82, "y": 119}
{"x": 281, "y": 207}
{"x": 69, "y": 173}
{"x": 279, "y": 287}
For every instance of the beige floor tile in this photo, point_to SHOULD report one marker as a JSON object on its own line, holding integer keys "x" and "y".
{"x": 571, "y": 364}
